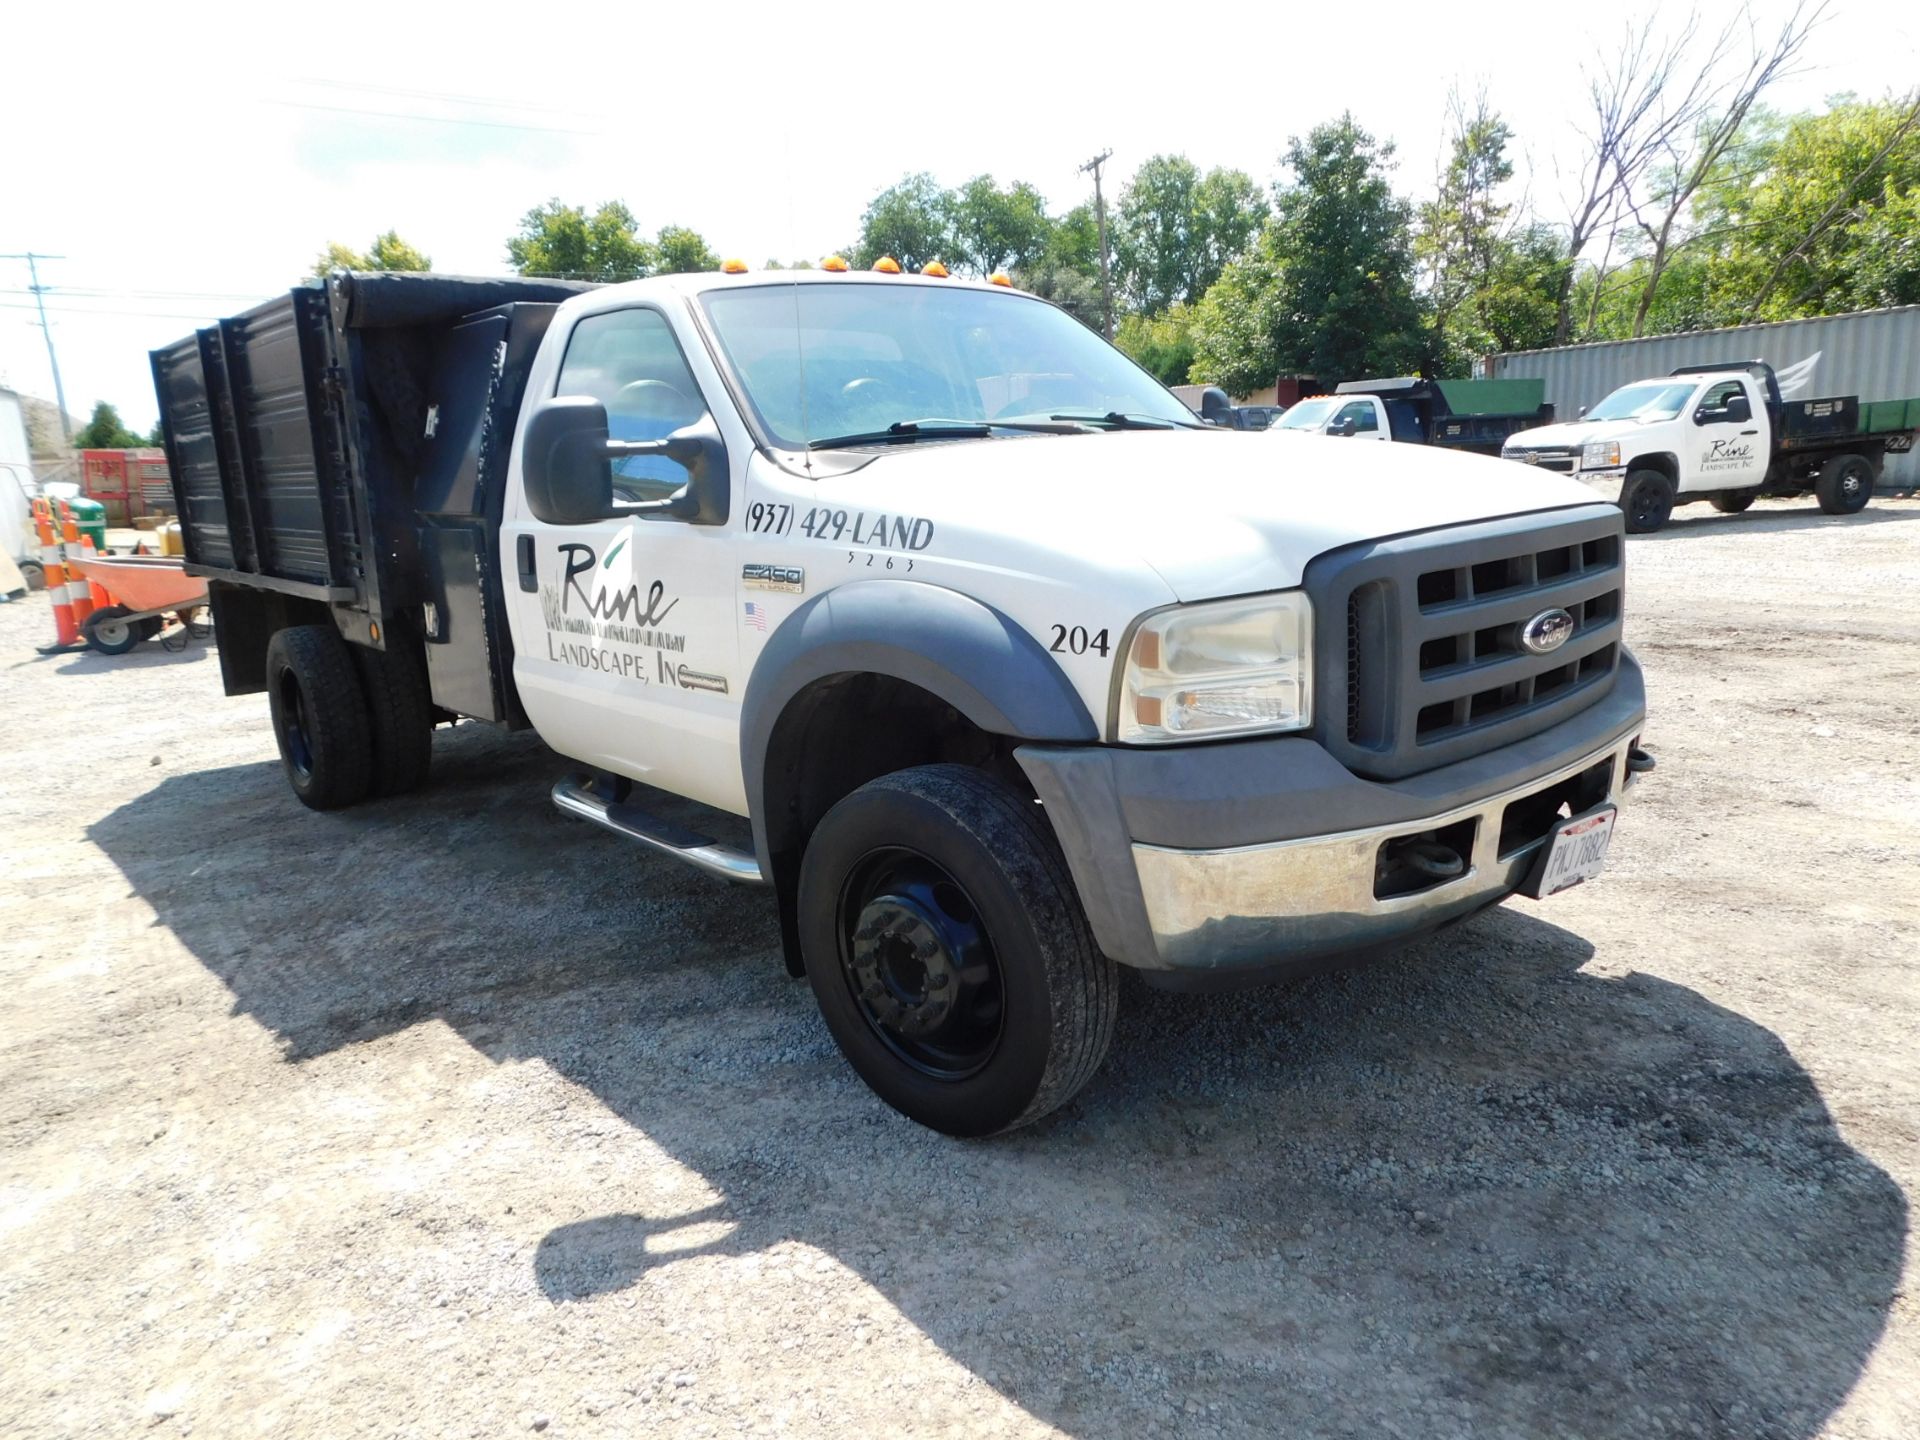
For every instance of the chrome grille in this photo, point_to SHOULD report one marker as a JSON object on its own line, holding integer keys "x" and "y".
{"x": 1558, "y": 458}
{"x": 1428, "y": 665}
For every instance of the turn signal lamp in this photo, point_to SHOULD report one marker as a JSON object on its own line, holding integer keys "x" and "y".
{"x": 733, "y": 267}
{"x": 887, "y": 265}
{"x": 935, "y": 269}
{"x": 1000, "y": 277}
{"x": 835, "y": 263}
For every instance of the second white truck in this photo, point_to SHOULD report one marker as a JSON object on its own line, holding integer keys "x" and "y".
{"x": 1723, "y": 434}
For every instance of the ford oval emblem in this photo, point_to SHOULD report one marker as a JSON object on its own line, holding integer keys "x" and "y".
{"x": 1546, "y": 632}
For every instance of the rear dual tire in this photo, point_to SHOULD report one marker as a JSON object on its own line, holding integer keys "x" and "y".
{"x": 948, "y": 952}
{"x": 350, "y": 722}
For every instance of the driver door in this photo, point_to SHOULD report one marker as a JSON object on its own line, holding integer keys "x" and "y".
{"x": 627, "y": 651}
{"x": 1729, "y": 443}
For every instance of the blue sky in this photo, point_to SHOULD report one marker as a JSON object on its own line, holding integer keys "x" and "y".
{"x": 200, "y": 165}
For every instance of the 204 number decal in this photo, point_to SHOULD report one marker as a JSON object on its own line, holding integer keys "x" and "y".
{"x": 1075, "y": 640}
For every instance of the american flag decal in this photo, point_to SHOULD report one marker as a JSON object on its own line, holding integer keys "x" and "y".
{"x": 756, "y": 617}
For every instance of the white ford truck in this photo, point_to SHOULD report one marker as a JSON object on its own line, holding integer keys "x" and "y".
{"x": 1724, "y": 434}
{"x": 1017, "y": 672}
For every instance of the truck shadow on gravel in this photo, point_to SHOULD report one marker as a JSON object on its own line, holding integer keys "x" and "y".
{"x": 1470, "y": 1190}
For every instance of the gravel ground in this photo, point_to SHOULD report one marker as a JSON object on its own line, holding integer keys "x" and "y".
{"x": 451, "y": 1116}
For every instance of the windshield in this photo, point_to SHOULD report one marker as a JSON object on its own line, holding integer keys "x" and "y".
{"x": 1307, "y": 415}
{"x": 827, "y": 360}
{"x": 1643, "y": 402}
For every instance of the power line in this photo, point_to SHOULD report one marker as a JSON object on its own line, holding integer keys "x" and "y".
{"x": 40, "y": 303}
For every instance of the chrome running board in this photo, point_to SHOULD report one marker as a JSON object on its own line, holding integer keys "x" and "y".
{"x": 576, "y": 796}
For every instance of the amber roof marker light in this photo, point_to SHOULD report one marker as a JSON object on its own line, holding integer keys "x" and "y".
{"x": 1000, "y": 277}
{"x": 836, "y": 263}
{"x": 887, "y": 265}
{"x": 734, "y": 266}
{"x": 934, "y": 269}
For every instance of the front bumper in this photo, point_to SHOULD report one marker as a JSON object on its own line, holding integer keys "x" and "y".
{"x": 1260, "y": 858}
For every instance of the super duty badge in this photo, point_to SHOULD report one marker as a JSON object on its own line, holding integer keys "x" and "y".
{"x": 791, "y": 578}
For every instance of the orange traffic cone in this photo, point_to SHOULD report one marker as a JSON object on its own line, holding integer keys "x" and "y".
{"x": 65, "y": 629}
{"x": 78, "y": 595}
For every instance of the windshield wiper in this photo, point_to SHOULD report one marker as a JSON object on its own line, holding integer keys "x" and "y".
{"x": 903, "y": 432}
{"x": 1119, "y": 420}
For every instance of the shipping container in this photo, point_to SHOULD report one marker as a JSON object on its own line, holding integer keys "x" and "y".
{"x": 1874, "y": 354}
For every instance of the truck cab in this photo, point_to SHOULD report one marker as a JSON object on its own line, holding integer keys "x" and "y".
{"x": 1016, "y": 671}
{"x": 1720, "y": 433}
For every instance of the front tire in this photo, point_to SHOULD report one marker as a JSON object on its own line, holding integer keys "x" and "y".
{"x": 1646, "y": 500}
{"x": 947, "y": 949}
{"x": 1845, "y": 485}
{"x": 319, "y": 717}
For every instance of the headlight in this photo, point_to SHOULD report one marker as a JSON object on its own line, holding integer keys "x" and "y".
{"x": 1225, "y": 667}
{"x": 1600, "y": 454}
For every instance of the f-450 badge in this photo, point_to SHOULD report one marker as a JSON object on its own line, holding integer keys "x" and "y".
{"x": 790, "y": 578}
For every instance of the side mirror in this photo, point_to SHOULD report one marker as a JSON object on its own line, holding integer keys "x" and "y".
{"x": 1738, "y": 410}
{"x": 1344, "y": 427}
{"x": 1583, "y": 413}
{"x": 564, "y": 464}
{"x": 567, "y": 467}
{"x": 1215, "y": 407}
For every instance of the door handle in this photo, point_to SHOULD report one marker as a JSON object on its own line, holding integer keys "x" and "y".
{"x": 1749, "y": 432}
{"x": 523, "y": 557}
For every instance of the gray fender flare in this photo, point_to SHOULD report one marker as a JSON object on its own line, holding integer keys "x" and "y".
{"x": 970, "y": 655}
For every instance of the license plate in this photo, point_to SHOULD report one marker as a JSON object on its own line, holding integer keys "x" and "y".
{"x": 1577, "y": 852}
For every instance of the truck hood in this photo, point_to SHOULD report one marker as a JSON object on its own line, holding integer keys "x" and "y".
{"x": 1213, "y": 514}
{"x": 1573, "y": 433}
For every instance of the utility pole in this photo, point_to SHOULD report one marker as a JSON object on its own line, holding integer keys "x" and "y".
{"x": 39, "y": 299}
{"x": 1100, "y": 213}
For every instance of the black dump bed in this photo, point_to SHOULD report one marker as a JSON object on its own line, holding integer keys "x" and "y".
{"x": 342, "y": 449}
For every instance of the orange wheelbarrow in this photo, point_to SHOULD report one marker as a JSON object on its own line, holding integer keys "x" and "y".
{"x": 145, "y": 589}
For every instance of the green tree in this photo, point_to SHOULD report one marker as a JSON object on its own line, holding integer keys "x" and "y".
{"x": 105, "y": 431}
{"x": 157, "y": 435}
{"x": 1161, "y": 344}
{"x": 1175, "y": 230}
{"x": 680, "y": 251}
{"x": 1328, "y": 290}
{"x": 912, "y": 221}
{"x": 387, "y": 252}
{"x": 1348, "y": 307}
{"x": 564, "y": 242}
{"x": 1074, "y": 243}
{"x": 1236, "y": 326}
{"x": 995, "y": 229}
{"x": 1825, "y": 223}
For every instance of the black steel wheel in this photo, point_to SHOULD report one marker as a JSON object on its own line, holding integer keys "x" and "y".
{"x": 1732, "y": 502}
{"x": 920, "y": 965}
{"x": 111, "y": 633}
{"x": 1647, "y": 501}
{"x": 947, "y": 949}
{"x": 319, "y": 716}
{"x": 1845, "y": 485}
